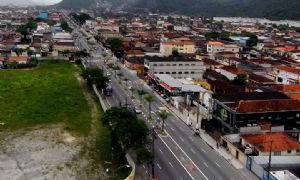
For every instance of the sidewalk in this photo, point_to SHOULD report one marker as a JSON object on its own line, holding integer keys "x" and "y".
{"x": 213, "y": 143}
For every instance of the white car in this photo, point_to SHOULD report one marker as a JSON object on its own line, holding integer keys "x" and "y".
{"x": 137, "y": 111}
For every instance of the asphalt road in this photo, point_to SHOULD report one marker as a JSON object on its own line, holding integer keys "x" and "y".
{"x": 179, "y": 154}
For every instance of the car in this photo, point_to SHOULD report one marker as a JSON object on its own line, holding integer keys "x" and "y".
{"x": 137, "y": 110}
{"x": 167, "y": 100}
{"x": 108, "y": 74}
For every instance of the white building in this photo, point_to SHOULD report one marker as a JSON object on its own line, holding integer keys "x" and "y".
{"x": 177, "y": 67}
{"x": 214, "y": 47}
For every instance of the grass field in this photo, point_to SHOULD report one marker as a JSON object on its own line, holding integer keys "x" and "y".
{"x": 47, "y": 94}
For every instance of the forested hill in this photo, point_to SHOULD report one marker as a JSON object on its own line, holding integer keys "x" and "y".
{"x": 272, "y": 9}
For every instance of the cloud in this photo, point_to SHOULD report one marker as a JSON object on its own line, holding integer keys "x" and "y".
{"x": 28, "y": 2}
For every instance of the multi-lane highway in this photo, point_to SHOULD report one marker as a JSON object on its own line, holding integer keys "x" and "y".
{"x": 178, "y": 153}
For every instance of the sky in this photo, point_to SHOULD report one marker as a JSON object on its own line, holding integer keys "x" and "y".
{"x": 28, "y": 2}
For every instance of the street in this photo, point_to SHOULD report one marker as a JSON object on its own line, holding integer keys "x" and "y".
{"x": 178, "y": 154}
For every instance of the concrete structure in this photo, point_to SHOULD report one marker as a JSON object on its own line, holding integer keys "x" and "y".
{"x": 177, "y": 67}
{"x": 184, "y": 47}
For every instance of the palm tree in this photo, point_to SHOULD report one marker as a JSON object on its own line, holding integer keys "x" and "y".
{"x": 163, "y": 114}
{"x": 141, "y": 93}
{"x": 149, "y": 98}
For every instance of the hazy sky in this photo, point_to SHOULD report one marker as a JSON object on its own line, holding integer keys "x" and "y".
{"x": 28, "y": 2}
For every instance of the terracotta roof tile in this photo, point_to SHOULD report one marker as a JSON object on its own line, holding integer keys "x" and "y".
{"x": 273, "y": 105}
{"x": 280, "y": 142}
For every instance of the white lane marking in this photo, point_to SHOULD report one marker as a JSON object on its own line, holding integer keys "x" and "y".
{"x": 170, "y": 164}
{"x": 176, "y": 157}
{"x": 187, "y": 156}
{"x": 181, "y": 139}
{"x": 172, "y": 129}
{"x": 217, "y": 164}
{"x": 205, "y": 164}
{"x": 203, "y": 150}
{"x": 160, "y": 151}
{"x": 193, "y": 151}
{"x": 144, "y": 167}
{"x": 158, "y": 165}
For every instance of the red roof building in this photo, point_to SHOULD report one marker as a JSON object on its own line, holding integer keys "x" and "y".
{"x": 279, "y": 144}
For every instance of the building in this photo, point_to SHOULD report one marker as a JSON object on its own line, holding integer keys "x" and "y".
{"x": 282, "y": 144}
{"x": 184, "y": 47}
{"x": 177, "y": 67}
{"x": 235, "y": 111}
{"x": 214, "y": 47}
{"x": 43, "y": 15}
{"x": 135, "y": 63}
{"x": 287, "y": 74}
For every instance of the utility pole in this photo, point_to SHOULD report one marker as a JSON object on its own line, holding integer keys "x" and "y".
{"x": 153, "y": 139}
{"x": 270, "y": 156}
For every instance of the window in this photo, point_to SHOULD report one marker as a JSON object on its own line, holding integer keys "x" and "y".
{"x": 154, "y": 64}
{"x": 179, "y": 72}
{"x": 167, "y": 72}
{"x": 161, "y": 64}
{"x": 168, "y": 64}
{"x": 173, "y": 72}
{"x": 289, "y": 151}
{"x": 277, "y": 153}
{"x": 193, "y": 64}
{"x": 174, "y": 65}
{"x": 187, "y": 64}
{"x": 192, "y": 72}
{"x": 186, "y": 72}
{"x": 298, "y": 150}
{"x": 180, "y": 64}
{"x": 161, "y": 72}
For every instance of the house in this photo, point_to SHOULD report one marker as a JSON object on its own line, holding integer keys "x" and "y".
{"x": 184, "y": 47}
{"x": 287, "y": 74}
{"x": 214, "y": 47}
{"x": 230, "y": 72}
{"x": 135, "y": 63}
{"x": 278, "y": 143}
{"x": 135, "y": 53}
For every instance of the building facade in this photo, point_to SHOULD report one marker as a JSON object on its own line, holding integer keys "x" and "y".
{"x": 177, "y": 67}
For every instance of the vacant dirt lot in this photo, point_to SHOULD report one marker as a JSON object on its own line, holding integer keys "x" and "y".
{"x": 44, "y": 153}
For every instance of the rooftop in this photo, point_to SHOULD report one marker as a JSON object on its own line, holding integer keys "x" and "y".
{"x": 260, "y": 106}
{"x": 280, "y": 142}
{"x": 215, "y": 43}
{"x": 169, "y": 59}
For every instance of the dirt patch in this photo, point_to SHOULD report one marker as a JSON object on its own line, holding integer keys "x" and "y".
{"x": 44, "y": 153}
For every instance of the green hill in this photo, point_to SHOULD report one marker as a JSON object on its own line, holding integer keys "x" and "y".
{"x": 272, "y": 9}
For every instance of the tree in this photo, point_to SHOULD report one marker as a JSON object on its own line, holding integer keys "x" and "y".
{"x": 81, "y": 18}
{"x": 79, "y": 54}
{"x": 65, "y": 26}
{"x": 241, "y": 79}
{"x": 253, "y": 39}
{"x": 26, "y": 28}
{"x": 115, "y": 44}
{"x": 163, "y": 114}
{"x": 143, "y": 155}
{"x": 128, "y": 130}
{"x": 95, "y": 76}
{"x": 141, "y": 93}
{"x": 175, "y": 53}
{"x": 149, "y": 98}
